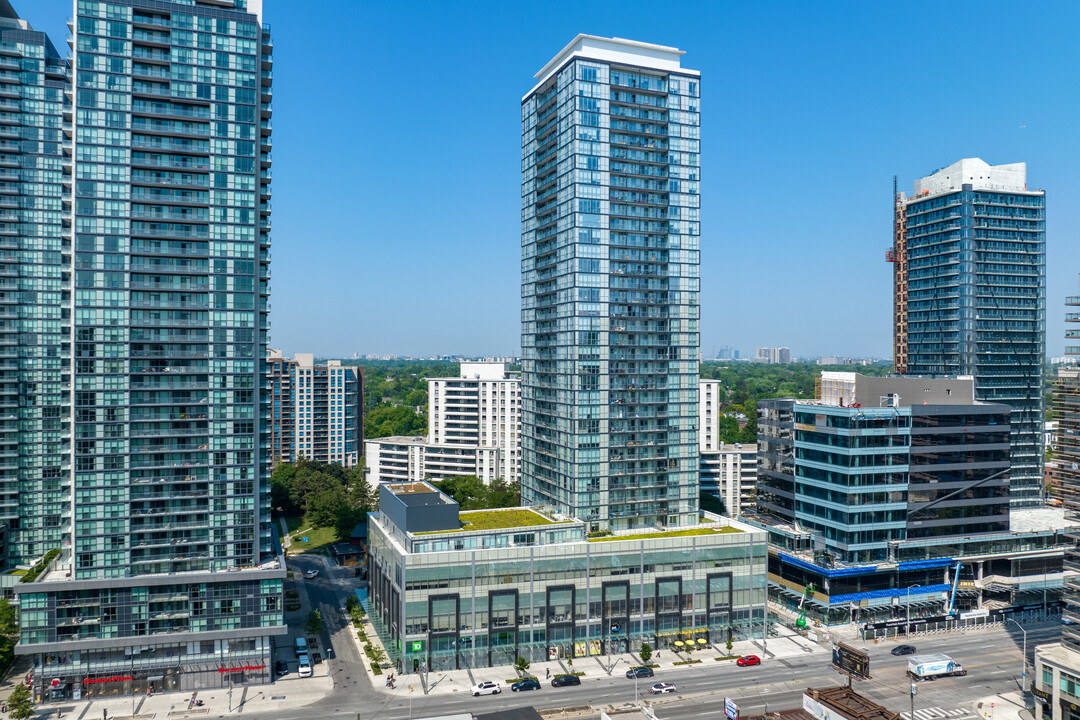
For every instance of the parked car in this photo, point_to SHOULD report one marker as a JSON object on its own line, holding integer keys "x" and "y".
{"x": 530, "y": 684}
{"x": 486, "y": 688}
{"x": 639, "y": 671}
{"x": 304, "y": 663}
{"x": 281, "y": 668}
{"x": 903, "y": 650}
{"x": 661, "y": 688}
{"x": 311, "y": 573}
{"x": 562, "y": 680}
{"x": 748, "y": 660}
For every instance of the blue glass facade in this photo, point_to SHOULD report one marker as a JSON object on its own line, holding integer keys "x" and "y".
{"x": 860, "y": 479}
{"x": 976, "y": 305}
{"x": 610, "y": 237}
{"x": 35, "y": 405}
{"x": 162, "y": 227}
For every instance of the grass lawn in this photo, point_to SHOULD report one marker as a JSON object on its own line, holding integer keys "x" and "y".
{"x": 318, "y": 539}
{"x": 293, "y": 522}
{"x": 672, "y": 533}
{"x": 496, "y": 520}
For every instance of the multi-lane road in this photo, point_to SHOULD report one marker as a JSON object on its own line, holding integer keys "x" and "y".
{"x": 992, "y": 658}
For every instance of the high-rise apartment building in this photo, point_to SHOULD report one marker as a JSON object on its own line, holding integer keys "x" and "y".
{"x": 773, "y": 355}
{"x": 610, "y": 236}
{"x": 970, "y": 295}
{"x": 474, "y": 428}
{"x": 35, "y": 257}
{"x": 168, "y": 567}
{"x": 317, "y": 409}
{"x": 481, "y": 408}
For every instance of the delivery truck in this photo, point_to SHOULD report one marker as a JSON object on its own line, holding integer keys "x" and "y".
{"x": 929, "y": 667}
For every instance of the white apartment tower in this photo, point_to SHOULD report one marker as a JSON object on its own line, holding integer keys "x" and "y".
{"x": 474, "y": 428}
{"x": 728, "y": 470}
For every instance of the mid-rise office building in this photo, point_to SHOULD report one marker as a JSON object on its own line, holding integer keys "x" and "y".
{"x": 167, "y": 575}
{"x": 610, "y": 234}
{"x": 886, "y": 502}
{"x": 452, "y": 589}
{"x": 773, "y": 355}
{"x": 874, "y": 460}
{"x": 317, "y": 409}
{"x": 474, "y": 428}
{"x": 970, "y": 295}
{"x": 1056, "y": 681}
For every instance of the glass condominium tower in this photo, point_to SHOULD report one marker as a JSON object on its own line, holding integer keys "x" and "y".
{"x": 610, "y": 306}
{"x": 35, "y": 282}
{"x": 970, "y": 296}
{"x": 167, "y": 565}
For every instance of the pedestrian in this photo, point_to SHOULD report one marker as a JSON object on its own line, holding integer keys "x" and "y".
{"x": 548, "y": 672}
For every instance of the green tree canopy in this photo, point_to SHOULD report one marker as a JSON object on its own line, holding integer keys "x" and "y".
{"x": 472, "y": 494}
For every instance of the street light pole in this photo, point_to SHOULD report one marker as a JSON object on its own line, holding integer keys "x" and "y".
{"x": 1023, "y": 662}
{"x": 907, "y": 632}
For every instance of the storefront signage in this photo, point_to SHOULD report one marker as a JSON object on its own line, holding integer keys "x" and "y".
{"x": 241, "y": 669}
{"x": 974, "y": 614}
{"x": 114, "y": 678}
{"x": 416, "y": 646}
{"x": 1040, "y": 693}
{"x": 914, "y": 621}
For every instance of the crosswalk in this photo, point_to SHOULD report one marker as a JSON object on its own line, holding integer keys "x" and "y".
{"x": 936, "y": 713}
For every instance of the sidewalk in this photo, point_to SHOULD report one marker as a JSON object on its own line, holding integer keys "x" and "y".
{"x": 1006, "y": 706}
{"x": 786, "y": 644}
{"x": 287, "y": 693}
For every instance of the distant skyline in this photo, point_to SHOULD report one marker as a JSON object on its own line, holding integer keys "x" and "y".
{"x": 397, "y": 158}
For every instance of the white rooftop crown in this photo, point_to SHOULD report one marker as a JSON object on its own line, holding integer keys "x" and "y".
{"x": 617, "y": 50}
{"x": 977, "y": 173}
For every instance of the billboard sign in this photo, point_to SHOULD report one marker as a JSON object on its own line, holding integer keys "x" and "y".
{"x": 851, "y": 662}
{"x": 731, "y": 710}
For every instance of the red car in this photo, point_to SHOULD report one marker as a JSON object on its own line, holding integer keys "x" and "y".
{"x": 748, "y": 660}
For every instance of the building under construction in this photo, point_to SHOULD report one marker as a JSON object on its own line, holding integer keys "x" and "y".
{"x": 969, "y": 295}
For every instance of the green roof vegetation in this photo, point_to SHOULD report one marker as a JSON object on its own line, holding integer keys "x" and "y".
{"x": 503, "y": 519}
{"x": 669, "y": 534}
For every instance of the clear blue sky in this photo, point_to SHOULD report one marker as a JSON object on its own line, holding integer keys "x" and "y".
{"x": 397, "y": 156}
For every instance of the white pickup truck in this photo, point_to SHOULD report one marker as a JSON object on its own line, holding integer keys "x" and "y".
{"x": 929, "y": 667}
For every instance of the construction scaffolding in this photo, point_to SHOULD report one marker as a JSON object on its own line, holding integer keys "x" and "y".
{"x": 898, "y": 257}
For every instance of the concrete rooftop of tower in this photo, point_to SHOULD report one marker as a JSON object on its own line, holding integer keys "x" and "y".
{"x": 615, "y": 50}
{"x": 976, "y": 172}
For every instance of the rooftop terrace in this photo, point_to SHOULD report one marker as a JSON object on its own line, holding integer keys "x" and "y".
{"x": 504, "y": 519}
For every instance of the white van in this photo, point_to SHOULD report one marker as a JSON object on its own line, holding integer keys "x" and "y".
{"x": 301, "y": 647}
{"x": 305, "y": 666}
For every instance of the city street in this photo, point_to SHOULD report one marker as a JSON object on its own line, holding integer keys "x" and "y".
{"x": 992, "y": 658}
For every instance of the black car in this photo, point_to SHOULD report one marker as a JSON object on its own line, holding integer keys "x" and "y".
{"x": 903, "y": 650}
{"x": 639, "y": 671}
{"x": 530, "y": 684}
{"x": 281, "y": 668}
{"x": 561, "y": 680}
